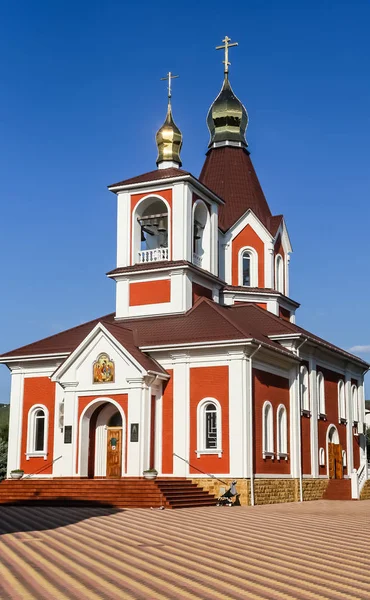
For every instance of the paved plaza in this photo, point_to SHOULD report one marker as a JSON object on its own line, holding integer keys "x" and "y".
{"x": 307, "y": 551}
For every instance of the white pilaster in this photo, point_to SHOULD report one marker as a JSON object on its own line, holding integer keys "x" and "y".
{"x": 135, "y": 452}
{"x": 123, "y": 229}
{"x": 314, "y": 419}
{"x": 214, "y": 239}
{"x": 181, "y": 414}
{"x": 238, "y": 426}
{"x": 15, "y": 420}
{"x": 67, "y": 464}
{"x": 295, "y": 424}
{"x": 179, "y": 225}
{"x": 349, "y": 412}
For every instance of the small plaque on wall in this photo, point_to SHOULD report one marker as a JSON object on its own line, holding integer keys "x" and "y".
{"x": 68, "y": 434}
{"x": 134, "y": 436}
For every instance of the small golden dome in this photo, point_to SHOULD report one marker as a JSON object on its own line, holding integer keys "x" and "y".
{"x": 227, "y": 119}
{"x": 169, "y": 140}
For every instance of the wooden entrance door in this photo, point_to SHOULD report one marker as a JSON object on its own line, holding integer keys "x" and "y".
{"x": 114, "y": 452}
{"x": 335, "y": 461}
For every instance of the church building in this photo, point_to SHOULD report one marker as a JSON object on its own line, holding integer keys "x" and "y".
{"x": 201, "y": 372}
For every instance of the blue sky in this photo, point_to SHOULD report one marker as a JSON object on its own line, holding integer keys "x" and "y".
{"x": 81, "y": 100}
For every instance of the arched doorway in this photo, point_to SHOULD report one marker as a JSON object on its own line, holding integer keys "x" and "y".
{"x": 102, "y": 440}
{"x": 334, "y": 452}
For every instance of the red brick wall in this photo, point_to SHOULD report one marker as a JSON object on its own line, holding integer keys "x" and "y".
{"x": 209, "y": 382}
{"x": 306, "y": 445}
{"x": 248, "y": 237}
{"x": 38, "y": 390}
{"x": 275, "y": 389}
{"x": 150, "y": 292}
{"x": 284, "y": 313}
{"x": 200, "y": 291}
{"x": 167, "y": 426}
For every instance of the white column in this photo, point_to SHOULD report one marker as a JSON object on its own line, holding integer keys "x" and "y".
{"x": 314, "y": 420}
{"x": 349, "y": 412}
{"x": 181, "y": 414}
{"x": 15, "y": 420}
{"x": 361, "y": 417}
{"x": 123, "y": 229}
{"x": 287, "y": 261}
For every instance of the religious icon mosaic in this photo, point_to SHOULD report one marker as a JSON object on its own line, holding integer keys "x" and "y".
{"x": 103, "y": 369}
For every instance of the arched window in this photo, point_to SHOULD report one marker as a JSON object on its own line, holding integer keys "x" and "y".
{"x": 279, "y": 273}
{"x": 344, "y": 459}
{"x": 304, "y": 392}
{"x": 37, "y": 431}
{"x": 248, "y": 267}
{"x": 209, "y": 427}
{"x": 341, "y": 401}
{"x": 282, "y": 431}
{"x": 151, "y": 228}
{"x": 354, "y": 394}
{"x": 322, "y": 457}
{"x": 201, "y": 235}
{"x": 267, "y": 430}
{"x": 321, "y": 393}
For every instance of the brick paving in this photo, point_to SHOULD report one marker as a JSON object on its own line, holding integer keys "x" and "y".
{"x": 316, "y": 550}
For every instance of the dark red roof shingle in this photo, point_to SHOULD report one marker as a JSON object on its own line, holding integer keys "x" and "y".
{"x": 156, "y": 175}
{"x": 229, "y": 173}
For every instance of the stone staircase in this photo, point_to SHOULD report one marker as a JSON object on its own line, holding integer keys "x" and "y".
{"x": 338, "y": 489}
{"x": 114, "y": 493}
{"x": 365, "y": 492}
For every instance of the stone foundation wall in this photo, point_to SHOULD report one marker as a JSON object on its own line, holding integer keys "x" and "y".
{"x": 365, "y": 492}
{"x": 313, "y": 489}
{"x": 268, "y": 491}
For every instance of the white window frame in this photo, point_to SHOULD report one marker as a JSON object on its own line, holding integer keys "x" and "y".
{"x": 267, "y": 430}
{"x": 282, "y": 432}
{"x": 201, "y": 428}
{"x": 253, "y": 266}
{"x": 344, "y": 459}
{"x": 320, "y": 387}
{"x": 304, "y": 393}
{"x": 279, "y": 269}
{"x": 31, "y": 432}
{"x": 342, "y": 415}
{"x": 322, "y": 457}
{"x": 355, "y": 406}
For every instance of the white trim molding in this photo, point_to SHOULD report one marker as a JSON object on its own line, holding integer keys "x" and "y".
{"x": 31, "y": 432}
{"x": 253, "y": 266}
{"x": 201, "y": 427}
{"x": 267, "y": 429}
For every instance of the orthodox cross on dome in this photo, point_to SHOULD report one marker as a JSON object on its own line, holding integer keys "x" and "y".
{"x": 226, "y": 47}
{"x": 168, "y": 78}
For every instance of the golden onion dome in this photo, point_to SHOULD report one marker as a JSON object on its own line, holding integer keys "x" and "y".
{"x": 169, "y": 141}
{"x": 227, "y": 119}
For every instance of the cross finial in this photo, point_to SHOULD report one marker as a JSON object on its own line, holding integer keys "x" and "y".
{"x": 168, "y": 78}
{"x": 226, "y": 47}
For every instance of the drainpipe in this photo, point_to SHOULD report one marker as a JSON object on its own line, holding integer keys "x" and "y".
{"x": 300, "y": 474}
{"x": 251, "y": 437}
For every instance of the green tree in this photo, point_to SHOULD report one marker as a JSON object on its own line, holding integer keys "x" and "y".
{"x": 3, "y": 457}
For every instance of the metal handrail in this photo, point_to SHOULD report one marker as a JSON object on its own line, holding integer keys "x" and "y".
{"x": 43, "y": 468}
{"x": 200, "y": 470}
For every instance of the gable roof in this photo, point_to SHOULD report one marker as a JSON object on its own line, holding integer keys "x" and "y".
{"x": 156, "y": 175}
{"x": 229, "y": 172}
{"x": 205, "y": 322}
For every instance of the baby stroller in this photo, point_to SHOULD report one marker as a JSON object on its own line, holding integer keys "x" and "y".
{"x": 225, "y": 500}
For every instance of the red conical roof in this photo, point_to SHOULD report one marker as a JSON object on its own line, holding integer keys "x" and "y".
{"x": 229, "y": 172}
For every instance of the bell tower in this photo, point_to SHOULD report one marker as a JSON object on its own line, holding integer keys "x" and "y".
{"x": 167, "y": 234}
